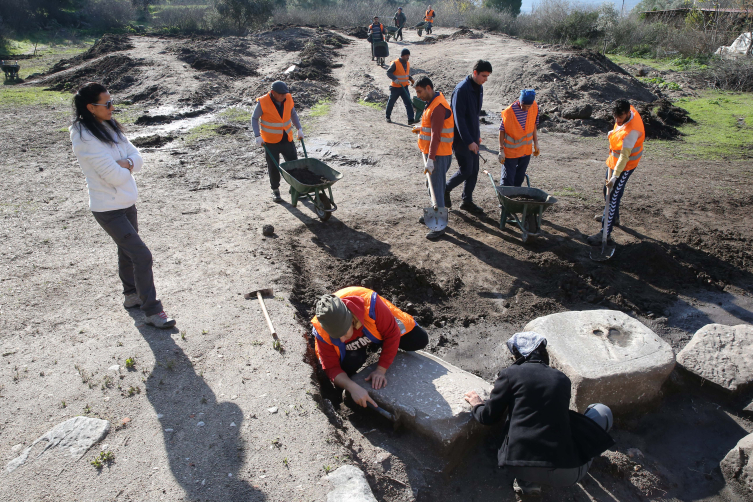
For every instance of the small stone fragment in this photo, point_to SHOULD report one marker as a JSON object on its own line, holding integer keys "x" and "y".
{"x": 272, "y": 410}
{"x": 268, "y": 230}
{"x": 200, "y": 424}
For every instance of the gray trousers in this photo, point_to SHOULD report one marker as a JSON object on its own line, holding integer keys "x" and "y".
{"x": 288, "y": 151}
{"x": 134, "y": 258}
{"x": 439, "y": 177}
{"x": 560, "y": 477}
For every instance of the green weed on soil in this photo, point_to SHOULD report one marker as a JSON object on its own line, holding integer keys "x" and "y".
{"x": 320, "y": 109}
{"x": 375, "y": 106}
{"x": 723, "y": 128}
{"x": 236, "y": 114}
{"x": 202, "y": 131}
{"x": 32, "y": 96}
{"x": 676, "y": 64}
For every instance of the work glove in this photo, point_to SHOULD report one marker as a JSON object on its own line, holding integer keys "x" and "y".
{"x": 300, "y": 133}
{"x": 259, "y": 141}
{"x": 536, "y": 151}
{"x": 611, "y": 182}
{"x": 429, "y": 166}
{"x": 501, "y": 156}
{"x": 416, "y": 129}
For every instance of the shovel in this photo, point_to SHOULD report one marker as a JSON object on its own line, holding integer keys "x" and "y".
{"x": 605, "y": 252}
{"x": 434, "y": 217}
{"x": 259, "y": 293}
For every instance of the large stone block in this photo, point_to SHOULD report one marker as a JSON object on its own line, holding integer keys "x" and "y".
{"x": 722, "y": 355}
{"x": 426, "y": 393}
{"x": 610, "y": 357}
{"x": 349, "y": 485}
{"x": 737, "y": 467}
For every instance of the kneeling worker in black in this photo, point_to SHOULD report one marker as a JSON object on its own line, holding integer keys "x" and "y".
{"x": 546, "y": 443}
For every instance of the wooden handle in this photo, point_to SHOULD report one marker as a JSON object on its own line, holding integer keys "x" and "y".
{"x": 431, "y": 187}
{"x": 266, "y": 315}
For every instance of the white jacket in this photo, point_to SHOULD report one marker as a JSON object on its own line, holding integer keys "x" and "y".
{"x": 110, "y": 186}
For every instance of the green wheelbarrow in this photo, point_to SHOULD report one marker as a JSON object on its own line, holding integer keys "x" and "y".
{"x": 529, "y": 203}
{"x": 319, "y": 194}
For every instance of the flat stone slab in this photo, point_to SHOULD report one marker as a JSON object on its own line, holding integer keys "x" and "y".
{"x": 349, "y": 485}
{"x": 73, "y": 437}
{"x": 426, "y": 393}
{"x": 722, "y": 355}
{"x": 609, "y": 357}
{"x": 737, "y": 467}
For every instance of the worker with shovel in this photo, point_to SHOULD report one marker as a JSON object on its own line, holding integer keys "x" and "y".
{"x": 435, "y": 135}
{"x": 625, "y": 151}
{"x": 518, "y": 138}
{"x": 399, "y": 73}
{"x": 347, "y": 323}
{"x": 272, "y": 121}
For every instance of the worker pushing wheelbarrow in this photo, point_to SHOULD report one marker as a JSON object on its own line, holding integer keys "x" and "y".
{"x": 379, "y": 47}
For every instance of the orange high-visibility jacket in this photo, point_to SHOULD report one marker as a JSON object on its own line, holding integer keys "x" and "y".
{"x": 518, "y": 142}
{"x": 404, "y": 321}
{"x": 448, "y": 128}
{"x": 429, "y": 16}
{"x": 401, "y": 74}
{"x": 271, "y": 124}
{"x": 616, "y": 137}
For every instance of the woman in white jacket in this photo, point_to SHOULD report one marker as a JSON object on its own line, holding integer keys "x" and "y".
{"x": 108, "y": 161}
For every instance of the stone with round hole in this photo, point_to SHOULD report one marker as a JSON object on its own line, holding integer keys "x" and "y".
{"x": 609, "y": 357}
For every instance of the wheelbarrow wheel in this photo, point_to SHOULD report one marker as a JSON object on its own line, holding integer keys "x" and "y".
{"x": 323, "y": 212}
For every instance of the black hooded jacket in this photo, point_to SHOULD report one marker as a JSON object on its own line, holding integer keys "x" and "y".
{"x": 541, "y": 431}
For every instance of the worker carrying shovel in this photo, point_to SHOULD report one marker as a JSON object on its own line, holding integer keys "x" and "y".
{"x": 625, "y": 151}
{"x": 518, "y": 138}
{"x": 350, "y": 321}
{"x": 399, "y": 73}
{"x": 435, "y": 136}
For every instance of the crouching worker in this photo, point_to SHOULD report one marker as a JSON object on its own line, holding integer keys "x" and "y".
{"x": 546, "y": 443}
{"x": 350, "y": 320}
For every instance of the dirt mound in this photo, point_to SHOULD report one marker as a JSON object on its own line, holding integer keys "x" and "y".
{"x": 461, "y": 33}
{"x": 317, "y": 58}
{"x": 661, "y": 118}
{"x": 211, "y": 60}
{"x": 105, "y": 45}
{"x": 147, "y": 120}
{"x": 358, "y": 32}
{"x": 153, "y": 141}
{"x": 116, "y": 72}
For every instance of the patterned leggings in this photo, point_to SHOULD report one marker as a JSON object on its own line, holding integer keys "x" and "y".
{"x": 614, "y": 203}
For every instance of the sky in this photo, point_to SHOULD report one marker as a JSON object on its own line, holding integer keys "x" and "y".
{"x": 629, "y": 4}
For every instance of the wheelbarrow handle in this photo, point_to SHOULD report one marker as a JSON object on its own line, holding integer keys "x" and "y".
{"x": 494, "y": 185}
{"x": 303, "y": 144}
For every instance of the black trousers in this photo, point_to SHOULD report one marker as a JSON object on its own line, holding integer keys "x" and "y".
{"x": 415, "y": 339}
{"x": 288, "y": 151}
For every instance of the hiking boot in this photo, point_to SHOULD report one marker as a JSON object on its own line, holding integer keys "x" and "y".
{"x": 470, "y": 207}
{"x": 276, "y": 196}
{"x": 526, "y": 489}
{"x": 411, "y": 122}
{"x": 595, "y": 239}
{"x": 389, "y": 120}
{"x": 447, "y": 200}
{"x": 435, "y": 234}
{"x": 599, "y": 216}
{"x": 160, "y": 320}
{"x": 132, "y": 300}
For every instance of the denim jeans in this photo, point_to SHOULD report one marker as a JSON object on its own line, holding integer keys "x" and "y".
{"x": 513, "y": 173}
{"x": 134, "y": 258}
{"x": 467, "y": 172}
{"x": 439, "y": 177}
{"x": 400, "y": 92}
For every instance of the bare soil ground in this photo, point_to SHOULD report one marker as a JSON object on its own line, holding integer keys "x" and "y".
{"x": 683, "y": 260}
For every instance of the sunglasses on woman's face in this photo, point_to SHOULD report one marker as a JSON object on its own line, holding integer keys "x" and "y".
{"x": 108, "y": 104}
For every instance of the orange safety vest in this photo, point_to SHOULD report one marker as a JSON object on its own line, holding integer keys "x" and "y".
{"x": 616, "y": 137}
{"x": 404, "y": 321}
{"x": 271, "y": 124}
{"x": 381, "y": 31}
{"x": 429, "y": 15}
{"x": 518, "y": 142}
{"x": 448, "y": 128}
{"x": 401, "y": 74}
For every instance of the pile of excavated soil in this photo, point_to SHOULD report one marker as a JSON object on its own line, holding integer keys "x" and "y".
{"x": 358, "y": 32}
{"x": 229, "y": 55}
{"x": 317, "y": 58}
{"x": 105, "y": 45}
{"x": 152, "y": 141}
{"x": 461, "y": 33}
{"x": 661, "y": 119}
{"x": 117, "y": 72}
{"x": 307, "y": 177}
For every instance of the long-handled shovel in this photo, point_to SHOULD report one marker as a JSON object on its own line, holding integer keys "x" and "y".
{"x": 605, "y": 252}
{"x": 259, "y": 293}
{"x": 434, "y": 217}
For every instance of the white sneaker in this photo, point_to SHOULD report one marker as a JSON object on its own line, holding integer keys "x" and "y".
{"x": 132, "y": 300}
{"x": 160, "y": 320}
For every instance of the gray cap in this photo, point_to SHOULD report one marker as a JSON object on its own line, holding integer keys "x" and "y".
{"x": 280, "y": 86}
{"x": 333, "y": 315}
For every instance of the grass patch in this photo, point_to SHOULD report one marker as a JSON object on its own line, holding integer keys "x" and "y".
{"x": 32, "y": 96}
{"x": 236, "y": 114}
{"x": 723, "y": 128}
{"x": 659, "y": 81}
{"x": 675, "y": 64}
{"x": 376, "y": 106}
{"x": 569, "y": 192}
{"x": 203, "y": 131}
{"x": 321, "y": 108}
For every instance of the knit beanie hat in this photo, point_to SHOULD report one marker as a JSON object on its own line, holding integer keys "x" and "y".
{"x": 527, "y": 96}
{"x": 404, "y": 52}
{"x": 333, "y": 315}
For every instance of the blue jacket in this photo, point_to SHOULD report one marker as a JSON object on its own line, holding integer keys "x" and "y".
{"x": 466, "y": 107}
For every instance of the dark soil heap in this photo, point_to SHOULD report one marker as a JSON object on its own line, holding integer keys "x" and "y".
{"x": 116, "y": 72}
{"x": 105, "y": 45}
{"x": 223, "y": 55}
{"x": 661, "y": 118}
{"x": 317, "y": 57}
{"x": 307, "y": 177}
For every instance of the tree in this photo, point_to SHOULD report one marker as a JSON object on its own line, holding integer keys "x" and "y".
{"x": 510, "y": 6}
{"x": 244, "y": 13}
